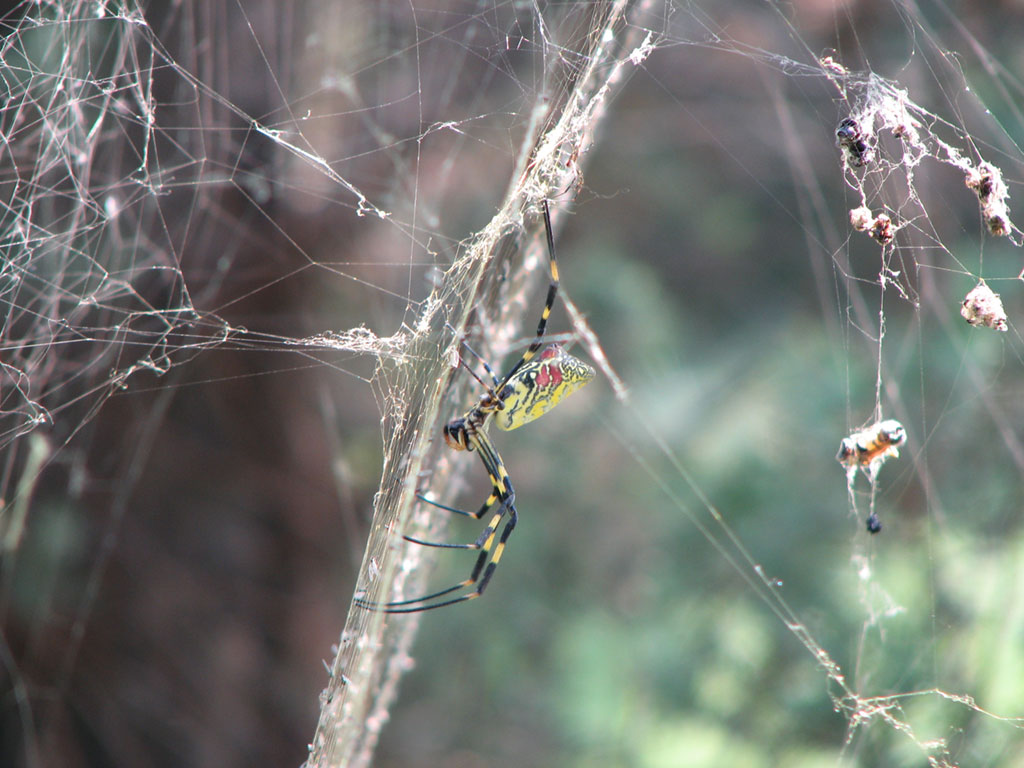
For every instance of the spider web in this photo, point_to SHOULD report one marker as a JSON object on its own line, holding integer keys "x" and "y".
{"x": 242, "y": 245}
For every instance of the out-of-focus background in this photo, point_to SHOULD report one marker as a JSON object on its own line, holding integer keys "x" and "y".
{"x": 188, "y": 190}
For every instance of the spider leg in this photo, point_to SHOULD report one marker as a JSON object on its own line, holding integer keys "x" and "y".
{"x": 538, "y": 340}
{"x": 549, "y": 303}
{"x": 422, "y": 603}
{"x": 474, "y": 353}
{"x": 482, "y": 584}
{"x": 490, "y": 371}
{"x": 491, "y": 500}
{"x": 490, "y": 553}
{"x": 502, "y": 490}
{"x": 481, "y": 539}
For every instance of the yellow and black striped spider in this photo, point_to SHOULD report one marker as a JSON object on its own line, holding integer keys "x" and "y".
{"x": 532, "y": 387}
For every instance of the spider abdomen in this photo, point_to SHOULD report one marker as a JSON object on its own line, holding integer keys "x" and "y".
{"x": 540, "y": 385}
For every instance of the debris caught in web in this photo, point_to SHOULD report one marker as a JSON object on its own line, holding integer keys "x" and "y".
{"x": 987, "y": 182}
{"x": 879, "y": 227}
{"x": 982, "y": 306}
{"x": 855, "y": 143}
{"x": 869, "y": 448}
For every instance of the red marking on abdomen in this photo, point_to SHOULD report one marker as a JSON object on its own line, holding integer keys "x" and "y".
{"x": 549, "y": 376}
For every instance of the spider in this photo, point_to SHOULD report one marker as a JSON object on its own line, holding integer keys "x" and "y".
{"x": 532, "y": 387}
